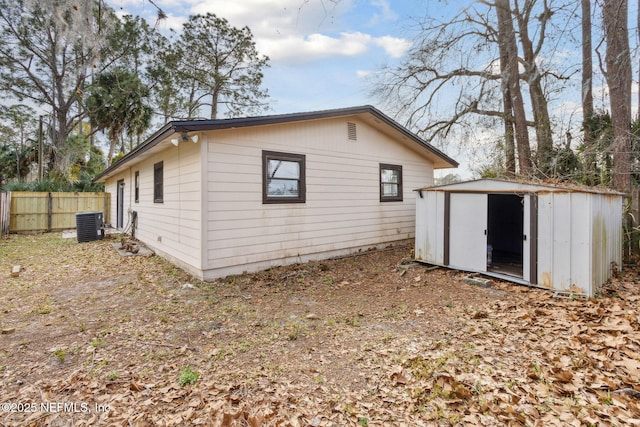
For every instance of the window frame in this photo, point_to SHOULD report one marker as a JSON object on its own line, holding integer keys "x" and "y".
{"x": 289, "y": 157}
{"x": 383, "y": 197}
{"x": 158, "y": 182}
{"x": 136, "y": 183}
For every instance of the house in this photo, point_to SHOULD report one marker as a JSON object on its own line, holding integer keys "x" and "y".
{"x": 561, "y": 238}
{"x": 220, "y": 197}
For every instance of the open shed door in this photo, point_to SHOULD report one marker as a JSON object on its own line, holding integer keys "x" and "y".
{"x": 467, "y": 231}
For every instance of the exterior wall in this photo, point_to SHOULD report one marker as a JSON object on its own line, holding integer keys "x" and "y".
{"x": 111, "y": 187}
{"x": 342, "y": 212}
{"x": 172, "y": 228}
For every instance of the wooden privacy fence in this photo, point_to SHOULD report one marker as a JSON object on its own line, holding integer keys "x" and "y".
{"x": 33, "y": 211}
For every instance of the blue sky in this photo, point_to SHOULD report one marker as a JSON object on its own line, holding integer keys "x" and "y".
{"x": 320, "y": 51}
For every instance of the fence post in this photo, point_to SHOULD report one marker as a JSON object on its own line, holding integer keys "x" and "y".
{"x": 49, "y": 211}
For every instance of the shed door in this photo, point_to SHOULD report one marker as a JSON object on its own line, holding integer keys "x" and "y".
{"x": 467, "y": 231}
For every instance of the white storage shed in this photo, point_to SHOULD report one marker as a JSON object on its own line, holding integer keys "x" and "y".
{"x": 560, "y": 238}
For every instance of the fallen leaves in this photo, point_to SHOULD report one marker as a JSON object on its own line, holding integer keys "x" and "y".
{"x": 374, "y": 345}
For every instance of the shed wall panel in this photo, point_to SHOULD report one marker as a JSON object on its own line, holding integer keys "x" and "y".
{"x": 579, "y": 253}
{"x": 561, "y": 238}
{"x": 429, "y": 227}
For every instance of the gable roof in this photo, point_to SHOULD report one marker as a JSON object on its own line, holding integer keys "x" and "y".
{"x": 377, "y": 119}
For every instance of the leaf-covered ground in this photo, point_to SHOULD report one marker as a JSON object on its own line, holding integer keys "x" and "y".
{"x": 90, "y": 338}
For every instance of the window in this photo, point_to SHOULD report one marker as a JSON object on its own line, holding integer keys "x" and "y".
{"x": 390, "y": 183}
{"x": 158, "y": 196}
{"x": 137, "y": 186}
{"x": 283, "y": 177}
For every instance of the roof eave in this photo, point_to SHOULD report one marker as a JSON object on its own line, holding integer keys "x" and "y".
{"x": 442, "y": 160}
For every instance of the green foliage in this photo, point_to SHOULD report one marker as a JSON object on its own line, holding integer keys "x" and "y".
{"x": 188, "y": 376}
{"x": 17, "y": 141}
{"x": 47, "y": 50}
{"x": 597, "y": 156}
{"x": 564, "y": 164}
{"x": 61, "y": 354}
{"x": 116, "y": 103}
{"x": 84, "y": 184}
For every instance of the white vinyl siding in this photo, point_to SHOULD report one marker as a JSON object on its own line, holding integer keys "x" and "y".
{"x": 172, "y": 228}
{"x": 342, "y": 209}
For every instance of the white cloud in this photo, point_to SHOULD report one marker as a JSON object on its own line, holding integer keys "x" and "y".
{"x": 297, "y": 49}
{"x": 291, "y": 31}
{"x": 363, "y": 73}
{"x": 394, "y": 46}
{"x": 386, "y": 13}
{"x": 269, "y": 17}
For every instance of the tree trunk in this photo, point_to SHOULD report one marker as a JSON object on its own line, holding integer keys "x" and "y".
{"x": 587, "y": 93}
{"x": 534, "y": 80}
{"x": 507, "y": 39}
{"x": 618, "y": 61}
{"x": 509, "y": 143}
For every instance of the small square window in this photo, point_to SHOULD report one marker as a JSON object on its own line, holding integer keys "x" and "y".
{"x": 158, "y": 184}
{"x": 283, "y": 177}
{"x": 390, "y": 183}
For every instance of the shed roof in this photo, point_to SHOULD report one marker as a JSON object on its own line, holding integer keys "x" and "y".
{"x": 488, "y": 185}
{"x": 159, "y": 140}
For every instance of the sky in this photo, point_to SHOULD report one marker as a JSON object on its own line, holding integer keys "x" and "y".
{"x": 322, "y": 52}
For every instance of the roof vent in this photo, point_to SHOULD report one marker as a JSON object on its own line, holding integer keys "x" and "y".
{"x": 351, "y": 131}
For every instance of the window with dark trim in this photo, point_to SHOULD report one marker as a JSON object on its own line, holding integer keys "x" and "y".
{"x": 390, "y": 183}
{"x": 136, "y": 182}
{"x": 283, "y": 177}
{"x": 158, "y": 178}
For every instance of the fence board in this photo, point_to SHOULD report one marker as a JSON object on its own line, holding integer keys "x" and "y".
{"x": 40, "y": 211}
{"x": 5, "y": 205}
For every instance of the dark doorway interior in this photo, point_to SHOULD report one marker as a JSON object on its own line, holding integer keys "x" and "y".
{"x": 505, "y": 234}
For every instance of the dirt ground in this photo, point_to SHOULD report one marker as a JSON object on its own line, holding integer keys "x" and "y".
{"x": 92, "y": 338}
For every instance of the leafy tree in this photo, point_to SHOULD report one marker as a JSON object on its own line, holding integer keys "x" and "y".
{"x": 219, "y": 65}
{"x": 167, "y": 92}
{"x": 46, "y": 52}
{"x": 116, "y": 103}
{"x": 16, "y": 138}
{"x": 597, "y": 153}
